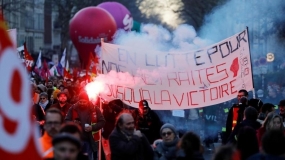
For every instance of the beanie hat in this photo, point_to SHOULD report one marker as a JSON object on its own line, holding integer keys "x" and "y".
{"x": 143, "y": 104}
{"x": 66, "y": 137}
{"x": 55, "y": 92}
{"x": 42, "y": 88}
{"x": 44, "y": 94}
{"x": 170, "y": 126}
{"x": 83, "y": 96}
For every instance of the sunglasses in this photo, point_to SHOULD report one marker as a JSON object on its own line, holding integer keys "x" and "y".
{"x": 166, "y": 133}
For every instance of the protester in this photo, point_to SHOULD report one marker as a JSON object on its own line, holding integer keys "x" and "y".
{"x": 227, "y": 152}
{"x": 265, "y": 109}
{"x": 273, "y": 146}
{"x": 166, "y": 149}
{"x": 191, "y": 146}
{"x": 91, "y": 120}
{"x": 247, "y": 143}
{"x": 126, "y": 143}
{"x": 66, "y": 147}
{"x": 235, "y": 114}
{"x": 265, "y": 127}
{"x": 62, "y": 103}
{"x": 250, "y": 119}
{"x": 74, "y": 130}
{"x": 53, "y": 121}
{"x": 148, "y": 122}
{"x": 44, "y": 102}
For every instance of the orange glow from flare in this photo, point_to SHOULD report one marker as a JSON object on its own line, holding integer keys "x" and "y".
{"x": 93, "y": 89}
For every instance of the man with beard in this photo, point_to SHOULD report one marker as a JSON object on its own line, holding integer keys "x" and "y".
{"x": 49, "y": 84}
{"x": 126, "y": 143}
{"x": 53, "y": 121}
{"x": 70, "y": 88}
{"x": 62, "y": 103}
{"x": 90, "y": 119}
{"x": 148, "y": 122}
{"x": 50, "y": 89}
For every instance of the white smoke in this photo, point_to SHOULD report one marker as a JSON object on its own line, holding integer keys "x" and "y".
{"x": 223, "y": 22}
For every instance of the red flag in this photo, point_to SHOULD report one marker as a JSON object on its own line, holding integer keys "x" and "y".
{"x": 45, "y": 74}
{"x": 18, "y": 131}
{"x": 75, "y": 73}
{"x": 93, "y": 61}
{"x": 66, "y": 74}
{"x": 29, "y": 61}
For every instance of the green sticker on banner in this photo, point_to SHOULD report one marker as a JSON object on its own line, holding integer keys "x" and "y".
{"x": 223, "y": 129}
{"x": 226, "y": 110}
{"x": 200, "y": 110}
{"x": 276, "y": 107}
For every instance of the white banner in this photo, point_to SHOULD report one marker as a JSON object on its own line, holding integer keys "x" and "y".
{"x": 170, "y": 81}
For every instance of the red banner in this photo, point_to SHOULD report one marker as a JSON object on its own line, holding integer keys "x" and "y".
{"x": 18, "y": 132}
{"x": 29, "y": 61}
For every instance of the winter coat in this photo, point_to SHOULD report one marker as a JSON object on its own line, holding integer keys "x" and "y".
{"x": 64, "y": 109}
{"x": 135, "y": 148}
{"x": 85, "y": 116}
{"x": 251, "y": 123}
{"x": 166, "y": 151}
{"x": 149, "y": 125}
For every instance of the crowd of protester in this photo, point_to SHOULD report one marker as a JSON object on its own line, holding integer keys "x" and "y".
{"x": 69, "y": 125}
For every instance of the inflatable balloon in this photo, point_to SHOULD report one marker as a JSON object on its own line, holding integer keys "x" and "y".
{"x": 86, "y": 29}
{"x": 120, "y": 13}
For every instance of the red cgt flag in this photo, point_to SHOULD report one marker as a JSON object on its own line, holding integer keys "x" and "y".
{"x": 29, "y": 61}
{"x": 18, "y": 131}
{"x": 66, "y": 74}
{"x": 93, "y": 61}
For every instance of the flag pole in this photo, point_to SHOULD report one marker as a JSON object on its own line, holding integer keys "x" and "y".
{"x": 100, "y": 132}
{"x": 100, "y": 135}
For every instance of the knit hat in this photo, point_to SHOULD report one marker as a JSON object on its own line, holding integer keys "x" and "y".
{"x": 83, "y": 96}
{"x": 143, "y": 104}
{"x": 66, "y": 137}
{"x": 42, "y": 88}
{"x": 170, "y": 126}
{"x": 44, "y": 94}
{"x": 55, "y": 92}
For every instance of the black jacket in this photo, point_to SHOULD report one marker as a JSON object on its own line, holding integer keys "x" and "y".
{"x": 251, "y": 123}
{"x": 229, "y": 122}
{"x": 85, "y": 117}
{"x": 149, "y": 125}
{"x": 63, "y": 109}
{"x": 134, "y": 149}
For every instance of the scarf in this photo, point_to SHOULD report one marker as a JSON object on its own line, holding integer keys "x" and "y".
{"x": 43, "y": 105}
{"x": 166, "y": 145}
{"x": 129, "y": 137}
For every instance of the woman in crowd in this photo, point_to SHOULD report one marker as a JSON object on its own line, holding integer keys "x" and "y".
{"x": 273, "y": 121}
{"x": 166, "y": 149}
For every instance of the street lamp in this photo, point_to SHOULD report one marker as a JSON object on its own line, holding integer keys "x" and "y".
{"x": 270, "y": 57}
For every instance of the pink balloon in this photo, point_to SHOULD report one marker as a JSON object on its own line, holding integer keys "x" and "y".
{"x": 120, "y": 13}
